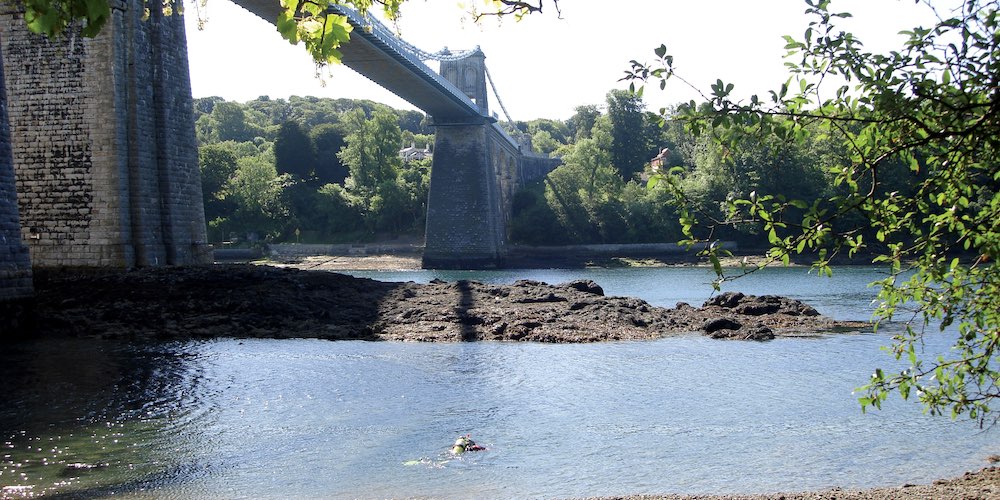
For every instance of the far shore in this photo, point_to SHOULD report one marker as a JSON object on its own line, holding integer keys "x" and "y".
{"x": 412, "y": 261}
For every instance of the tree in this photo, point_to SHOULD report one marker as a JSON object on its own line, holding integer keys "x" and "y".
{"x": 631, "y": 148}
{"x": 204, "y": 105}
{"x": 543, "y": 142}
{"x": 582, "y": 121}
{"x": 556, "y": 129}
{"x": 933, "y": 106}
{"x": 414, "y": 122}
{"x": 256, "y": 191}
{"x": 230, "y": 122}
{"x": 218, "y": 164}
{"x": 329, "y": 140}
{"x": 293, "y": 151}
{"x": 372, "y": 151}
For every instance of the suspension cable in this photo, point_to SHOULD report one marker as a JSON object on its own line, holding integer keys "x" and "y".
{"x": 499, "y": 101}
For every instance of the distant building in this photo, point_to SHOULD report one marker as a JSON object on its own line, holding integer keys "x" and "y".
{"x": 660, "y": 160}
{"x": 413, "y": 153}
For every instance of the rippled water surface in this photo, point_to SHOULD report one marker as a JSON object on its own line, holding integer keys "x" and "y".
{"x": 309, "y": 418}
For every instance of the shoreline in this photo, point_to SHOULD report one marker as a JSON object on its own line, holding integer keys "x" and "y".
{"x": 412, "y": 262}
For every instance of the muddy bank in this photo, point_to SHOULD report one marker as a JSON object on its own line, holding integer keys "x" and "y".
{"x": 245, "y": 300}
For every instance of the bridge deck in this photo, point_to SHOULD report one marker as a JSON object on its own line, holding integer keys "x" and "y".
{"x": 372, "y": 53}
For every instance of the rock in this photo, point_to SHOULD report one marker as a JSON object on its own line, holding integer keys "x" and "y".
{"x": 586, "y": 286}
{"x": 716, "y": 324}
{"x": 757, "y": 307}
{"x": 548, "y": 297}
{"x": 754, "y": 305}
{"x": 760, "y": 333}
{"x": 260, "y": 301}
{"x": 727, "y": 300}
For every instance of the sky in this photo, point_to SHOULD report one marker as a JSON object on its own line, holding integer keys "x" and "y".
{"x": 545, "y": 65}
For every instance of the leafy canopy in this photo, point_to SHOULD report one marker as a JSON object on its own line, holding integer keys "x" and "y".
{"x": 933, "y": 105}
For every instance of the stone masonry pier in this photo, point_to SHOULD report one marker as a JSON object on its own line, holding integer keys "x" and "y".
{"x": 15, "y": 265}
{"x": 102, "y": 136}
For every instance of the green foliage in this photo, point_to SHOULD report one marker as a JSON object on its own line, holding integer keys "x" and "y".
{"x": 631, "y": 146}
{"x": 218, "y": 164}
{"x": 414, "y": 122}
{"x": 293, "y": 151}
{"x": 205, "y": 105}
{"x": 53, "y": 17}
{"x": 372, "y": 151}
{"x": 307, "y": 191}
{"x": 557, "y": 130}
{"x": 334, "y": 213}
{"x": 543, "y": 142}
{"x": 256, "y": 191}
{"x": 533, "y": 222}
{"x": 915, "y": 181}
{"x": 328, "y": 140}
{"x": 582, "y": 121}
{"x": 586, "y": 201}
{"x": 230, "y": 123}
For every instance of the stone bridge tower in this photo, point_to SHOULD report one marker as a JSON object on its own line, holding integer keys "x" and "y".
{"x": 468, "y": 75}
{"x": 102, "y": 135}
{"x": 465, "y": 226}
{"x": 477, "y": 167}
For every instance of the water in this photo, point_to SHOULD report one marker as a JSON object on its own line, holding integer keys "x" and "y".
{"x": 310, "y": 418}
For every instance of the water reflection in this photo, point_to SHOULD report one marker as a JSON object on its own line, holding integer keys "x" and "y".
{"x": 88, "y": 417}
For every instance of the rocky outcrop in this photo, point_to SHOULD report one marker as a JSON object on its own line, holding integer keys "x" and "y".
{"x": 733, "y": 315}
{"x": 264, "y": 301}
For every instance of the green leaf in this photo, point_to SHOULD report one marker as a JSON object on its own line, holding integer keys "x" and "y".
{"x": 716, "y": 264}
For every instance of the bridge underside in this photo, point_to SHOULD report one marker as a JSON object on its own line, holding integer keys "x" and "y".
{"x": 372, "y": 56}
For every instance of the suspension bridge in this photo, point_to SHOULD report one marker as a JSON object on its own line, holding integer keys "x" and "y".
{"x": 477, "y": 165}
{"x": 99, "y": 160}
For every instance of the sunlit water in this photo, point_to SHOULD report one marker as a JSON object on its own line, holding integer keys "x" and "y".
{"x": 310, "y": 418}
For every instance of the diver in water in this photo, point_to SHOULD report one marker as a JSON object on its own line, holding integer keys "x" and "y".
{"x": 464, "y": 444}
